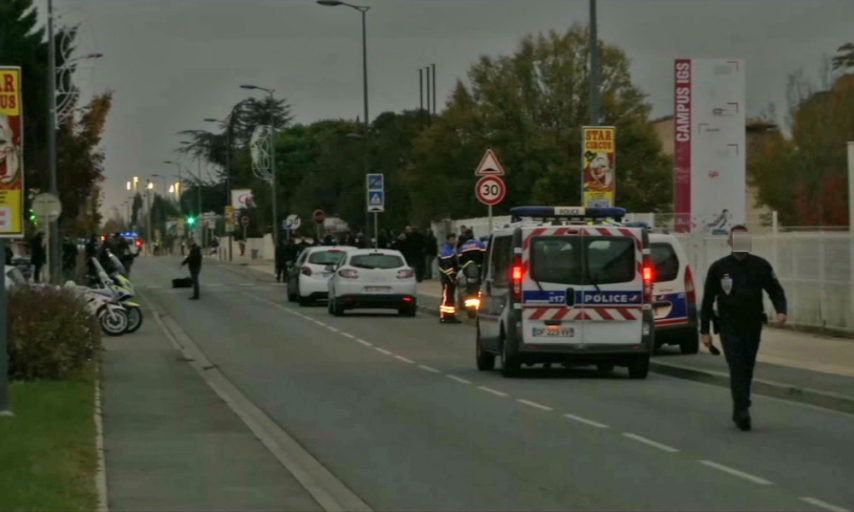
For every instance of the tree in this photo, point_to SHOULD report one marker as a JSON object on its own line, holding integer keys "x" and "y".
{"x": 530, "y": 108}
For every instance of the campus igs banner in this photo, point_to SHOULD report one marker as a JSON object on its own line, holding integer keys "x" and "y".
{"x": 710, "y": 188}
{"x": 11, "y": 154}
{"x": 598, "y": 164}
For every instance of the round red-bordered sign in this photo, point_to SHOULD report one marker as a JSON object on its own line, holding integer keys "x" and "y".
{"x": 490, "y": 190}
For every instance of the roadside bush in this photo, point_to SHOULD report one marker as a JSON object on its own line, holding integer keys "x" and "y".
{"x": 51, "y": 334}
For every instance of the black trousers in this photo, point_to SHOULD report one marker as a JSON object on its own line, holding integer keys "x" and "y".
{"x": 448, "y": 307}
{"x": 194, "y": 275}
{"x": 740, "y": 350}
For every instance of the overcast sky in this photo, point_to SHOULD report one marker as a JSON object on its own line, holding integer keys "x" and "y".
{"x": 171, "y": 63}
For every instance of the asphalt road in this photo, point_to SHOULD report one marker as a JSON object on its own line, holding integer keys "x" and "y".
{"x": 395, "y": 408}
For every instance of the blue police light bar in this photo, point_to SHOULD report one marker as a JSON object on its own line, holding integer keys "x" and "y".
{"x": 566, "y": 212}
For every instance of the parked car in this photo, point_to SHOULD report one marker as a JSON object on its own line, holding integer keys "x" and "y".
{"x": 373, "y": 278}
{"x": 308, "y": 278}
{"x": 674, "y": 295}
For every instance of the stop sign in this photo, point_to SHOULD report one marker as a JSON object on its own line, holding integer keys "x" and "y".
{"x": 319, "y": 216}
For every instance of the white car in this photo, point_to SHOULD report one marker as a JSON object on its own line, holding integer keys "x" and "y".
{"x": 373, "y": 278}
{"x": 308, "y": 278}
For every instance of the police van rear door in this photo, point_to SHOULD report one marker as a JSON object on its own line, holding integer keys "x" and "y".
{"x": 612, "y": 294}
{"x": 551, "y": 281}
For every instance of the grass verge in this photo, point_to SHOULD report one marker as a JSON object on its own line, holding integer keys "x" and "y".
{"x": 47, "y": 450}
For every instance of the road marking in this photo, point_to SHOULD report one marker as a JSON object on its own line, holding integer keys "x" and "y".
{"x": 348, "y": 335}
{"x": 428, "y": 368}
{"x": 246, "y": 284}
{"x": 458, "y": 379}
{"x": 214, "y": 285}
{"x": 493, "y": 391}
{"x": 650, "y": 442}
{"x": 333, "y": 329}
{"x": 823, "y": 504}
{"x": 363, "y": 342}
{"x": 726, "y": 469}
{"x": 405, "y": 360}
{"x": 382, "y": 351}
{"x": 534, "y": 404}
{"x": 585, "y": 421}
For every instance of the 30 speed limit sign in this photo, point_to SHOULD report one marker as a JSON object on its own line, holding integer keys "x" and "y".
{"x": 490, "y": 190}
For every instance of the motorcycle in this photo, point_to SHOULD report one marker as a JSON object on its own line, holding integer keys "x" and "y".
{"x": 119, "y": 288}
{"x": 468, "y": 289}
{"x": 112, "y": 316}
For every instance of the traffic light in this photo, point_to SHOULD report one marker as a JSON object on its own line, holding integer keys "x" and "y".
{"x": 191, "y": 221}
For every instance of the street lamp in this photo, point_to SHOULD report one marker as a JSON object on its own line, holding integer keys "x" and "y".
{"x": 363, "y": 9}
{"x": 149, "y": 240}
{"x": 272, "y": 159}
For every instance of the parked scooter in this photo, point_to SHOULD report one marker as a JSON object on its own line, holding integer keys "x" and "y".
{"x": 122, "y": 292}
{"x": 468, "y": 289}
{"x": 112, "y": 316}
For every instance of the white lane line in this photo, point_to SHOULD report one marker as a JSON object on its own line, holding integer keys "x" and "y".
{"x": 458, "y": 379}
{"x": 650, "y": 442}
{"x": 428, "y": 368}
{"x": 247, "y": 284}
{"x": 534, "y": 404}
{"x": 333, "y": 329}
{"x": 318, "y": 322}
{"x": 363, "y": 342}
{"x": 741, "y": 474}
{"x": 348, "y": 335}
{"x": 823, "y": 504}
{"x": 493, "y": 391}
{"x": 383, "y": 351}
{"x": 405, "y": 360}
{"x": 585, "y": 421}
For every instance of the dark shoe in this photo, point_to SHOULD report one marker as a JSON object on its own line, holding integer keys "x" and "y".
{"x": 194, "y": 298}
{"x": 742, "y": 420}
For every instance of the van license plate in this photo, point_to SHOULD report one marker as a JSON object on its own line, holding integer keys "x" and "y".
{"x": 378, "y": 289}
{"x": 556, "y": 331}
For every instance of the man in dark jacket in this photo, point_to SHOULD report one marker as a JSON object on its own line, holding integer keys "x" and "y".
{"x": 38, "y": 257}
{"x": 736, "y": 282}
{"x": 194, "y": 262}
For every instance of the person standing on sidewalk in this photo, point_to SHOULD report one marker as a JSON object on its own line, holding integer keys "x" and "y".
{"x": 38, "y": 256}
{"x": 736, "y": 282}
{"x": 194, "y": 262}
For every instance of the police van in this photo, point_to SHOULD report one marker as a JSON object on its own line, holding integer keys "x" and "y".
{"x": 566, "y": 285}
{"x": 674, "y": 300}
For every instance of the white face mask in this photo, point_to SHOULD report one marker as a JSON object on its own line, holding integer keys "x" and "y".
{"x": 741, "y": 242}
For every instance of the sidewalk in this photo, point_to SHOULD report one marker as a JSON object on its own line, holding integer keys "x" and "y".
{"x": 172, "y": 444}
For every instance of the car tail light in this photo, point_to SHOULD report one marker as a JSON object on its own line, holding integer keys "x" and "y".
{"x": 407, "y": 299}
{"x": 405, "y": 273}
{"x": 348, "y": 273}
{"x": 690, "y": 291}
{"x": 517, "y": 273}
{"x": 648, "y": 278}
{"x": 139, "y": 243}
{"x": 306, "y": 270}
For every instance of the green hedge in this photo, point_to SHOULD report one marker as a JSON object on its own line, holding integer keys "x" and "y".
{"x": 51, "y": 334}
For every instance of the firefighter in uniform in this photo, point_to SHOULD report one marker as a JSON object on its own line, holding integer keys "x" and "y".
{"x": 736, "y": 282}
{"x": 448, "y": 267}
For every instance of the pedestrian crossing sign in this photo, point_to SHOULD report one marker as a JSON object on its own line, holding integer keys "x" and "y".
{"x": 376, "y": 201}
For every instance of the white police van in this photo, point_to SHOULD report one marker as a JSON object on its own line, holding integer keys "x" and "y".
{"x": 674, "y": 297}
{"x": 566, "y": 285}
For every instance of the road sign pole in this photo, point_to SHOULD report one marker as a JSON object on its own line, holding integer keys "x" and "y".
{"x": 376, "y": 231}
{"x": 489, "y": 214}
{"x": 5, "y": 407}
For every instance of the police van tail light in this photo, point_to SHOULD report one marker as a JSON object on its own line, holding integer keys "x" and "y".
{"x": 690, "y": 291}
{"x": 516, "y": 275}
{"x": 648, "y": 278}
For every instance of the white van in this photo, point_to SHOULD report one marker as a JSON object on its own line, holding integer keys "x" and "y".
{"x": 674, "y": 304}
{"x": 566, "y": 285}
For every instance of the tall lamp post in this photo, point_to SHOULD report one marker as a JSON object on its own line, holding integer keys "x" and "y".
{"x": 149, "y": 240}
{"x": 272, "y": 160}
{"x": 594, "y": 66}
{"x": 363, "y": 9}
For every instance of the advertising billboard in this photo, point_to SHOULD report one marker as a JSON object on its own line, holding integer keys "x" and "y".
{"x": 599, "y": 165}
{"x": 242, "y": 199}
{"x": 11, "y": 154}
{"x": 710, "y": 183}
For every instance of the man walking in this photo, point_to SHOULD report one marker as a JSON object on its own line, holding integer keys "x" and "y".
{"x": 448, "y": 266}
{"x": 194, "y": 262}
{"x": 736, "y": 282}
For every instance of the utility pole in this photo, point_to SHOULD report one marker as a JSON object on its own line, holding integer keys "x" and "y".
{"x": 594, "y": 66}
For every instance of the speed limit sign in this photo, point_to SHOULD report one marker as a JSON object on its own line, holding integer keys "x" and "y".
{"x": 490, "y": 190}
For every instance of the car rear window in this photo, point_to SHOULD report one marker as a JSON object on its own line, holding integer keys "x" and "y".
{"x": 325, "y": 257}
{"x": 665, "y": 261}
{"x": 588, "y": 260}
{"x": 376, "y": 261}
